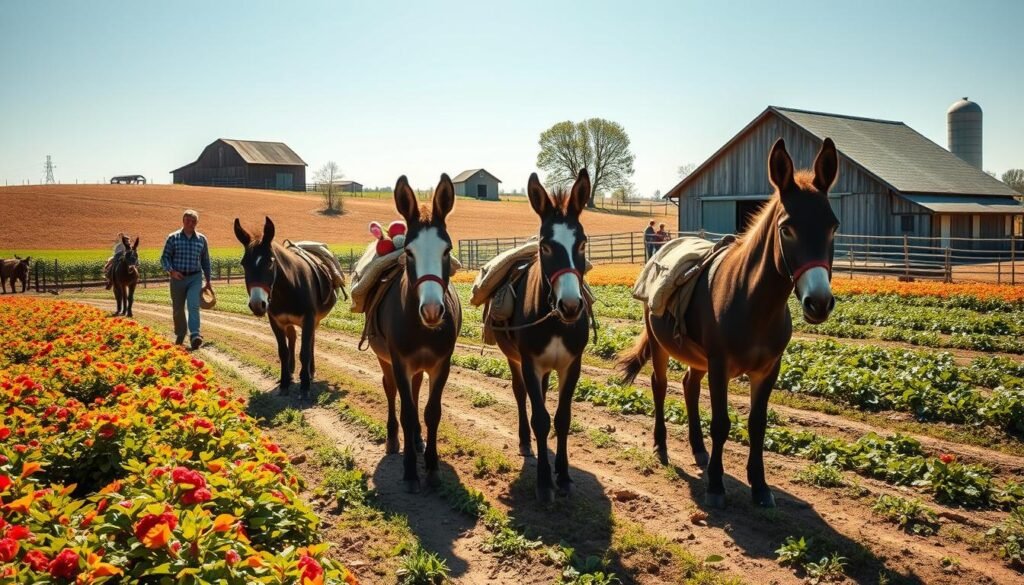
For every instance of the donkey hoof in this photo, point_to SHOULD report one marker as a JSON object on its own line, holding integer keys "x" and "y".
{"x": 412, "y": 486}
{"x": 662, "y": 454}
{"x": 433, "y": 479}
{"x": 545, "y": 495}
{"x": 763, "y": 497}
{"x": 716, "y": 501}
{"x": 391, "y": 447}
{"x": 526, "y": 451}
{"x": 566, "y": 488}
{"x": 701, "y": 459}
{"x": 421, "y": 447}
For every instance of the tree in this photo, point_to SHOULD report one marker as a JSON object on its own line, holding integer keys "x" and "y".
{"x": 1014, "y": 179}
{"x": 326, "y": 178}
{"x": 657, "y": 193}
{"x": 685, "y": 170}
{"x": 598, "y": 145}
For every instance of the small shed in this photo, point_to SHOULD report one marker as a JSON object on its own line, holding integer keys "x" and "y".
{"x": 349, "y": 186}
{"x": 477, "y": 183}
{"x": 892, "y": 181}
{"x": 245, "y": 163}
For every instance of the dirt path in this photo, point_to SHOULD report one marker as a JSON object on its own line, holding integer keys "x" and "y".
{"x": 618, "y": 481}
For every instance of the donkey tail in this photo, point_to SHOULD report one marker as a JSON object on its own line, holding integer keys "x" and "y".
{"x": 632, "y": 360}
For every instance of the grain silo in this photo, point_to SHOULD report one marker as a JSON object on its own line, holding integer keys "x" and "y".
{"x": 964, "y": 126}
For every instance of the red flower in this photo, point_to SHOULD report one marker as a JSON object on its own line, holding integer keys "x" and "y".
{"x": 202, "y": 423}
{"x": 196, "y": 496}
{"x": 271, "y": 467}
{"x": 184, "y": 475}
{"x": 310, "y": 568}
{"x": 231, "y": 557}
{"x": 150, "y": 371}
{"x": 19, "y": 532}
{"x": 149, "y": 521}
{"x": 102, "y": 505}
{"x": 947, "y": 458}
{"x": 36, "y": 559}
{"x": 4, "y": 433}
{"x": 107, "y": 431}
{"x": 65, "y": 564}
{"x": 8, "y": 549}
{"x": 5, "y": 482}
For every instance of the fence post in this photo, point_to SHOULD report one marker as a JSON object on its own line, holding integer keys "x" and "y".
{"x": 632, "y": 259}
{"x": 949, "y": 267}
{"x": 56, "y": 275}
{"x": 229, "y": 274}
{"x": 1013, "y": 258}
{"x": 906, "y": 257}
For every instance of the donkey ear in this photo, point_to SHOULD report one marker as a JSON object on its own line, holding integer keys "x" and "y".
{"x": 826, "y": 166}
{"x": 135, "y": 246}
{"x": 580, "y": 194}
{"x": 538, "y": 196}
{"x": 780, "y": 166}
{"x": 444, "y": 197}
{"x": 405, "y": 201}
{"x": 242, "y": 235}
{"x": 268, "y": 232}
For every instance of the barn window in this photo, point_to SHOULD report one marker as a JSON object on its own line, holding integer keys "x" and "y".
{"x": 907, "y": 223}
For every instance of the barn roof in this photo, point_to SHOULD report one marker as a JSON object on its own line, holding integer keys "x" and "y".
{"x": 256, "y": 152}
{"x": 894, "y": 153}
{"x": 465, "y": 175}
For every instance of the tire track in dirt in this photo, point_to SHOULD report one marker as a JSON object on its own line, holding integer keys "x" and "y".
{"x": 656, "y": 503}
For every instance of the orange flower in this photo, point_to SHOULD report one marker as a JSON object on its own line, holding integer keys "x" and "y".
{"x": 30, "y": 468}
{"x": 100, "y": 569}
{"x": 224, "y": 522}
{"x": 254, "y": 562}
{"x": 157, "y": 537}
{"x": 21, "y": 505}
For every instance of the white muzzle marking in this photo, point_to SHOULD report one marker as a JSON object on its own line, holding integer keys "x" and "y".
{"x": 567, "y": 286}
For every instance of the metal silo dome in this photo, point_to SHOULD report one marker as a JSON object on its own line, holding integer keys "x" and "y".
{"x": 964, "y": 119}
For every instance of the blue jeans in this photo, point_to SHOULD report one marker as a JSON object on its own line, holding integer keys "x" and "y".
{"x": 186, "y": 292}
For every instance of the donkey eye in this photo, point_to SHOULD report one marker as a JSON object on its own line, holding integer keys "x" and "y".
{"x": 545, "y": 249}
{"x": 788, "y": 232}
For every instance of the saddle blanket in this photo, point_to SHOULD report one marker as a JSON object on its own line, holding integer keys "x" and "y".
{"x": 671, "y": 274}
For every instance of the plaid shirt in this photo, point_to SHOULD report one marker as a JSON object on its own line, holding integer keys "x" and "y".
{"x": 186, "y": 254}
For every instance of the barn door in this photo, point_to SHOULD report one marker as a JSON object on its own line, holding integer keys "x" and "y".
{"x": 284, "y": 181}
{"x": 481, "y": 191}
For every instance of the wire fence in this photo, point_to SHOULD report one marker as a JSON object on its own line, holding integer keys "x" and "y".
{"x": 999, "y": 260}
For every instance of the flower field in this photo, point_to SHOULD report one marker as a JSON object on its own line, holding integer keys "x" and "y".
{"x": 121, "y": 458}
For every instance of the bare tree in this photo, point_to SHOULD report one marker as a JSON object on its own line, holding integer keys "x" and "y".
{"x": 685, "y": 170}
{"x": 326, "y": 179}
{"x": 1014, "y": 179}
{"x": 598, "y": 145}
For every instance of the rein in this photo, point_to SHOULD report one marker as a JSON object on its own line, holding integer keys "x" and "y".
{"x": 554, "y": 312}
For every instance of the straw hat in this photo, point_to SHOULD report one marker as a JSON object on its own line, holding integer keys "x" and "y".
{"x": 208, "y": 298}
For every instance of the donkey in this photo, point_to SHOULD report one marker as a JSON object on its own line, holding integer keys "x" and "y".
{"x": 286, "y": 286}
{"x": 125, "y": 276}
{"x": 416, "y": 323}
{"x": 548, "y": 329}
{"x": 739, "y": 322}
{"x": 16, "y": 269}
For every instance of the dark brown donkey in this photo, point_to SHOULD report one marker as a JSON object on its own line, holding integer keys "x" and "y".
{"x": 125, "y": 276}
{"x": 739, "y": 323}
{"x": 16, "y": 269}
{"x": 549, "y": 327}
{"x": 294, "y": 293}
{"x": 416, "y": 323}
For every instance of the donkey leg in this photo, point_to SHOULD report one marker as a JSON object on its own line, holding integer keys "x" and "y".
{"x": 417, "y": 383}
{"x": 659, "y": 386}
{"x": 519, "y": 390}
{"x": 131, "y": 299}
{"x": 691, "y": 392}
{"x": 292, "y": 336}
{"x": 390, "y": 390}
{"x": 306, "y": 357}
{"x": 432, "y": 416}
{"x": 540, "y": 420}
{"x": 563, "y": 418}
{"x": 719, "y": 383}
{"x": 282, "y": 355}
{"x": 410, "y": 424}
{"x": 760, "y": 390}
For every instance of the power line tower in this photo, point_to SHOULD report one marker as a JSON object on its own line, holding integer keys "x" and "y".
{"x": 48, "y": 167}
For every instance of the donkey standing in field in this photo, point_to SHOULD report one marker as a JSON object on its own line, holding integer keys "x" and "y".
{"x": 549, "y": 327}
{"x": 296, "y": 289}
{"x": 739, "y": 323}
{"x": 15, "y": 270}
{"x": 415, "y": 324}
{"x": 124, "y": 276}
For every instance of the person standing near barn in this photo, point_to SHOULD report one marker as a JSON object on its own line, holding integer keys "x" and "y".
{"x": 186, "y": 259}
{"x": 649, "y": 239}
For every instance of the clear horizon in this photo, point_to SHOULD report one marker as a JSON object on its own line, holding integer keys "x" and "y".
{"x": 386, "y": 89}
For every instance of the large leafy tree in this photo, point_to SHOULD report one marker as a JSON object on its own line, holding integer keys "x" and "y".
{"x": 598, "y": 145}
{"x": 1014, "y": 179}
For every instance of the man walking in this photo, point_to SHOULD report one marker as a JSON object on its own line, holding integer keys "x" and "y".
{"x": 186, "y": 258}
{"x": 649, "y": 241}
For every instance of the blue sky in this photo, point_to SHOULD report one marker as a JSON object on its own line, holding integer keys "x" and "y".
{"x": 386, "y": 88}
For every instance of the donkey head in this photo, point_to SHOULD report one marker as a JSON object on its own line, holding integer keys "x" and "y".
{"x": 806, "y": 226}
{"x": 562, "y": 242}
{"x": 131, "y": 251}
{"x": 259, "y": 264}
{"x": 427, "y": 246}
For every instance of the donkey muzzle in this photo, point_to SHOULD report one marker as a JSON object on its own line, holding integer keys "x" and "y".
{"x": 815, "y": 293}
{"x": 432, "y": 314}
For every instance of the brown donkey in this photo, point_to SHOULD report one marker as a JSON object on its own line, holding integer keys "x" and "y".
{"x": 16, "y": 269}
{"x": 416, "y": 324}
{"x": 740, "y": 323}
{"x": 549, "y": 328}
{"x": 125, "y": 276}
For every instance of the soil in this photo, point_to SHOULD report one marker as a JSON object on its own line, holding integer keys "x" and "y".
{"x": 619, "y": 482}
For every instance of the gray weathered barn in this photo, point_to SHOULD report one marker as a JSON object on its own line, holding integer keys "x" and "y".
{"x": 349, "y": 186}
{"x": 892, "y": 180}
{"x": 245, "y": 163}
{"x": 477, "y": 183}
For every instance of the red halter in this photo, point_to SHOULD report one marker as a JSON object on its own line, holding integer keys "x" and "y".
{"x": 249, "y": 287}
{"x": 429, "y": 278}
{"x": 562, "y": 271}
{"x": 812, "y": 264}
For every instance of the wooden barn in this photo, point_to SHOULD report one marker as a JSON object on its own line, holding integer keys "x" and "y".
{"x": 349, "y": 186}
{"x": 477, "y": 183}
{"x": 892, "y": 181}
{"x": 245, "y": 163}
